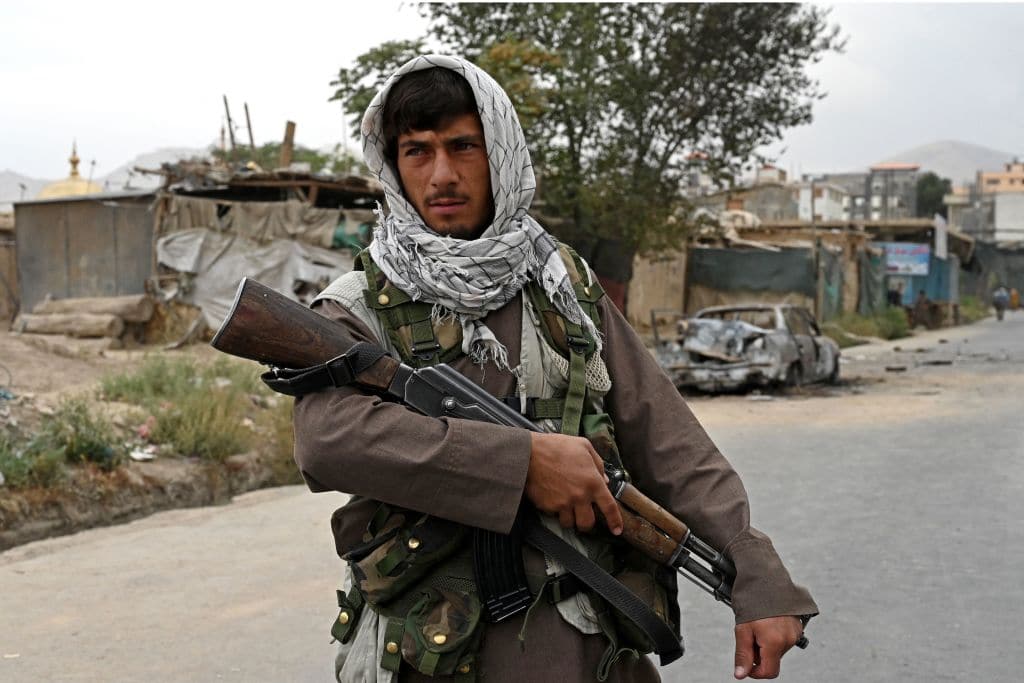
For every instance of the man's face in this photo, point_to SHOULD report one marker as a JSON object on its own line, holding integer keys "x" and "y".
{"x": 446, "y": 176}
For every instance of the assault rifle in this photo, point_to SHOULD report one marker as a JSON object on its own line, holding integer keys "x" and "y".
{"x": 265, "y": 326}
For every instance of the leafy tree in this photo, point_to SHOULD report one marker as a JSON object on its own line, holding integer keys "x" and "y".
{"x": 355, "y": 87}
{"x": 930, "y": 192}
{"x": 618, "y": 99}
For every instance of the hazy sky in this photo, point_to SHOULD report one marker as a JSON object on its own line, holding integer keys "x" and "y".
{"x": 127, "y": 78}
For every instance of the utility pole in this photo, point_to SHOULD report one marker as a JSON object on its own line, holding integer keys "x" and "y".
{"x": 231, "y": 126}
{"x": 248, "y": 124}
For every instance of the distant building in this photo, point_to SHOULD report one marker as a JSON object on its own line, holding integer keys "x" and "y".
{"x": 1009, "y": 216}
{"x": 855, "y": 185}
{"x": 822, "y": 201}
{"x": 892, "y": 191}
{"x": 1011, "y": 179}
{"x": 696, "y": 181}
{"x": 991, "y": 209}
{"x": 72, "y": 186}
{"x": 769, "y": 174}
{"x": 768, "y": 201}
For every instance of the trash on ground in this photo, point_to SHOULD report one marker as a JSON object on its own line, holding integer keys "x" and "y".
{"x": 936, "y": 361}
{"x": 146, "y": 429}
{"x": 143, "y": 454}
{"x": 895, "y": 368}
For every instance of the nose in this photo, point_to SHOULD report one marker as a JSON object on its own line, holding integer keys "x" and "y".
{"x": 443, "y": 174}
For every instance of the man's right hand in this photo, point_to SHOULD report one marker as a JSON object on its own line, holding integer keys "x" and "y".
{"x": 566, "y": 479}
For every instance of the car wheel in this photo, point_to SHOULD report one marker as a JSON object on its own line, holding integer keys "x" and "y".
{"x": 833, "y": 377}
{"x": 794, "y": 375}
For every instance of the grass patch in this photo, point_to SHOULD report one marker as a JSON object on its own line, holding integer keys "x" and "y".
{"x": 208, "y": 410}
{"x": 73, "y": 434}
{"x": 840, "y": 336}
{"x": 891, "y": 323}
{"x": 972, "y": 309}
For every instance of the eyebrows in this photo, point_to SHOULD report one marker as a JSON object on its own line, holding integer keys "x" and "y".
{"x": 449, "y": 141}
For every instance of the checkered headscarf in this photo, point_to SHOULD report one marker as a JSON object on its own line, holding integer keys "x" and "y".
{"x": 470, "y": 278}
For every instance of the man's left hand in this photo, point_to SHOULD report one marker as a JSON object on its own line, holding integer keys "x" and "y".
{"x": 760, "y": 645}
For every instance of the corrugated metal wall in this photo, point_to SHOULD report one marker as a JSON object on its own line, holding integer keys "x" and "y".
{"x": 81, "y": 248}
{"x": 8, "y": 276}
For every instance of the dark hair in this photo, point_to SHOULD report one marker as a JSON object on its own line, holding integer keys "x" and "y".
{"x": 424, "y": 100}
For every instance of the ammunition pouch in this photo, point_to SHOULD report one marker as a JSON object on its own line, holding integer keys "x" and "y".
{"x": 402, "y": 547}
{"x": 442, "y": 634}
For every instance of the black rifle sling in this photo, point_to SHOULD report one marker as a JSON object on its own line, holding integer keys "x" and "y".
{"x": 666, "y": 643}
{"x": 336, "y": 372}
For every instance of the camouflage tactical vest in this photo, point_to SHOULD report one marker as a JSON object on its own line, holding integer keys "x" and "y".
{"x": 415, "y": 571}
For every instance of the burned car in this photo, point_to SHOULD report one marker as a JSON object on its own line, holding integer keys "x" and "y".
{"x": 730, "y": 347}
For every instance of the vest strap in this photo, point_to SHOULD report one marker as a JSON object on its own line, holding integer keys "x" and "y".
{"x": 391, "y": 660}
{"x": 537, "y": 408}
{"x": 572, "y": 413}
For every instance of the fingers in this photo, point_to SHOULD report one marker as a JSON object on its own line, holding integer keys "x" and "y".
{"x": 566, "y": 518}
{"x": 604, "y": 499}
{"x": 585, "y": 517}
{"x": 763, "y": 643}
{"x": 744, "y": 660}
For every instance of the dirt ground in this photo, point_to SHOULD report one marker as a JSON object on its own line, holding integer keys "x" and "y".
{"x": 35, "y": 381}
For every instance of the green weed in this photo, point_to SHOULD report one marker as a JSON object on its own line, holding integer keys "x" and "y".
{"x": 891, "y": 323}
{"x": 201, "y": 409}
{"x": 972, "y": 309}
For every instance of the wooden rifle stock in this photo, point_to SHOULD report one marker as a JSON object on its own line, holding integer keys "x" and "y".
{"x": 265, "y": 326}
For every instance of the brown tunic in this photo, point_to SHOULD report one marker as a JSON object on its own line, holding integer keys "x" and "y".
{"x": 474, "y": 473}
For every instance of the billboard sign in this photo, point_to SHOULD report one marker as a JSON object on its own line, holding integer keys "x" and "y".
{"x": 906, "y": 258}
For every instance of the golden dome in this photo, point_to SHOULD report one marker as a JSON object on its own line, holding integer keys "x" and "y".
{"x": 71, "y": 186}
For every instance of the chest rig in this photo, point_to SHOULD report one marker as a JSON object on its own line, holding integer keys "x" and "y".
{"x": 421, "y": 340}
{"x": 415, "y": 571}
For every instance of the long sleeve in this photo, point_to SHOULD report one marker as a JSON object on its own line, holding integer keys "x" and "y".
{"x": 469, "y": 472}
{"x": 674, "y": 462}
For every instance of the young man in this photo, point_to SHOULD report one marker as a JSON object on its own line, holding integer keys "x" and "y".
{"x": 460, "y": 272}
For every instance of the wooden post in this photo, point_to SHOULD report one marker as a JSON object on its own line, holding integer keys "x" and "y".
{"x": 230, "y": 126}
{"x": 248, "y": 124}
{"x": 288, "y": 146}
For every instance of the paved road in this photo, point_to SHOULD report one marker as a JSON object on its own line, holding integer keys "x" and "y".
{"x": 897, "y": 501}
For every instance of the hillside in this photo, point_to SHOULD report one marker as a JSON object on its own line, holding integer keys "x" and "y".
{"x": 953, "y": 159}
{"x": 11, "y": 191}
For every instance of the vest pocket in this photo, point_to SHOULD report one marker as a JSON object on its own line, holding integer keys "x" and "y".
{"x": 441, "y": 632}
{"x": 406, "y": 546}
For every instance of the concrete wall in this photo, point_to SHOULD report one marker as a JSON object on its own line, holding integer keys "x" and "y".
{"x": 1009, "y": 217}
{"x": 658, "y": 284}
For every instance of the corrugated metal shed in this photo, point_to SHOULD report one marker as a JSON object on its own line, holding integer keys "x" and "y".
{"x": 92, "y": 245}
{"x": 8, "y": 269}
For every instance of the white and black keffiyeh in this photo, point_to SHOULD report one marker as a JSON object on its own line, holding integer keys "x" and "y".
{"x": 470, "y": 278}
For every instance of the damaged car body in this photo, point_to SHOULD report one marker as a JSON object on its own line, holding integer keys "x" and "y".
{"x": 731, "y": 347}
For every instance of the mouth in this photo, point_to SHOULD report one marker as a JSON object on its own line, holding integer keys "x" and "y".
{"x": 445, "y": 207}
